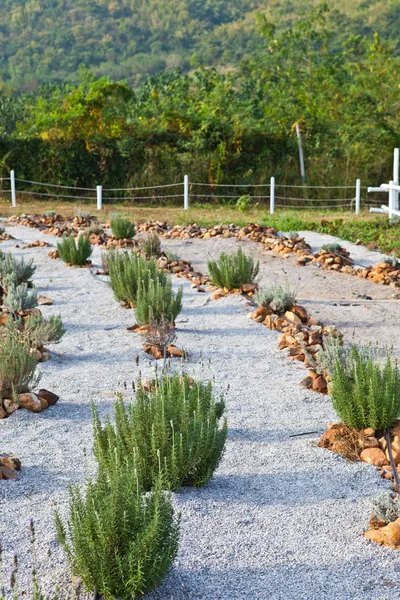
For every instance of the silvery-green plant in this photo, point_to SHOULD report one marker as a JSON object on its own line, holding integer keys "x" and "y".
{"x": 152, "y": 246}
{"x": 332, "y": 248}
{"x": 278, "y": 297}
{"x": 19, "y": 298}
{"x": 16, "y": 268}
{"x": 17, "y": 367}
{"x": 386, "y": 506}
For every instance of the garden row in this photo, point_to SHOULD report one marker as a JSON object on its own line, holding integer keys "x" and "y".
{"x": 330, "y": 257}
{"x": 173, "y": 434}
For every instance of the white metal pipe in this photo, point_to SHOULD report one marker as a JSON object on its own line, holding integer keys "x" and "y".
{"x": 13, "y": 189}
{"x": 396, "y": 165}
{"x": 358, "y": 196}
{"x": 186, "y": 192}
{"x": 272, "y": 196}
{"x": 99, "y": 190}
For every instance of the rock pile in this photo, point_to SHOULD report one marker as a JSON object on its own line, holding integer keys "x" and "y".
{"x": 303, "y": 337}
{"x": 30, "y": 401}
{"x": 383, "y": 273}
{"x": 335, "y": 261}
{"x": 288, "y": 245}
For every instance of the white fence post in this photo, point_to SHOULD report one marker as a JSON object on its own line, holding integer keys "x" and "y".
{"x": 358, "y": 196}
{"x": 99, "y": 190}
{"x": 272, "y": 196}
{"x": 13, "y": 190}
{"x": 186, "y": 192}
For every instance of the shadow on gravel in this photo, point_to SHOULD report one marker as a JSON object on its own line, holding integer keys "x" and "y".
{"x": 290, "y": 580}
{"x": 309, "y": 487}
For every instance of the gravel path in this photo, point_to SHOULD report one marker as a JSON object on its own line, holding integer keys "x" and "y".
{"x": 282, "y": 519}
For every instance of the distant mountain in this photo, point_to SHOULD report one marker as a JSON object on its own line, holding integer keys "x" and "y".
{"x": 48, "y": 40}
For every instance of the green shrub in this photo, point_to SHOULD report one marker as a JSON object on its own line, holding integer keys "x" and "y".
{"x": 118, "y": 540}
{"x": 41, "y": 331}
{"x": 19, "y": 270}
{"x": 19, "y": 298}
{"x": 177, "y": 430}
{"x": 152, "y": 246}
{"x": 17, "y": 367}
{"x": 231, "y": 271}
{"x": 122, "y": 228}
{"x": 126, "y": 269}
{"x": 2, "y": 231}
{"x": 156, "y": 301}
{"x": 364, "y": 393}
{"x": 75, "y": 253}
{"x": 277, "y": 297}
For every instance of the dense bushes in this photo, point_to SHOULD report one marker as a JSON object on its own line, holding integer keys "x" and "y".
{"x": 176, "y": 430}
{"x": 126, "y": 270}
{"x": 157, "y": 301}
{"x": 122, "y": 228}
{"x": 364, "y": 393}
{"x": 119, "y": 540}
{"x": 75, "y": 253}
{"x": 14, "y": 270}
{"x": 277, "y": 297}
{"x": 17, "y": 367}
{"x": 231, "y": 271}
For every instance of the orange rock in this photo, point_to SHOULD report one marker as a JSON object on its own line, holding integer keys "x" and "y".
{"x": 249, "y": 288}
{"x": 374, "y": 456}
{"x": 292, "y": 317}
{"x": 260, "y": 313}
{"x": 371, "y": 442}
{"x": 386, "y": 536}
{"x": 301, "y": 312}
{"x": 320, "y": 385}
{"x": 30, "y": 401}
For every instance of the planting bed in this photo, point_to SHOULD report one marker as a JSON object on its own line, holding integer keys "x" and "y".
{"x": 282, "y": 518}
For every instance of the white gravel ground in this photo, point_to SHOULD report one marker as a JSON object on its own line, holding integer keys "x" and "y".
{"x": 282, "y": 519}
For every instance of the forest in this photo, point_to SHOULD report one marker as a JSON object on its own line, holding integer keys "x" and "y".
{"x": 45, "y": 41}
{"x": 219, "y": 125}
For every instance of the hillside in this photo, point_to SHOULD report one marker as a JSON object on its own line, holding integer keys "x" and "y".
{"x": 48, "y": 40}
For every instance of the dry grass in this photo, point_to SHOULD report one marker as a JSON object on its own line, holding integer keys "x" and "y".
{"x": 206, "y": 215}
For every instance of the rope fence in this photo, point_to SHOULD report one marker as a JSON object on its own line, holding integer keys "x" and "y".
{"x": 289, "y": 196}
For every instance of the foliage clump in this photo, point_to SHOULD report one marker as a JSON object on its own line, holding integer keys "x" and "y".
{"x": 19, "y": 298}
{"x": 126, "y": 270}
{"x": 279, "y": 298}
{"x": 75, "y": 253}
{"x": 17, "y": 367}
{"x": 15, "y": 270}
{"x": 332, "y": 248}
{"x": 152, "y": 246}
{"x": 122, "y": 228}
{"x": 41, "y": 331}
{"x": 232, "y": 270}
{"x": 386, "y": 506}
{"x": 177, "y": 431}
{"x": 120, "y": 541}
{"x": 157, "y": 301}
{"x": 364, "y": 393}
